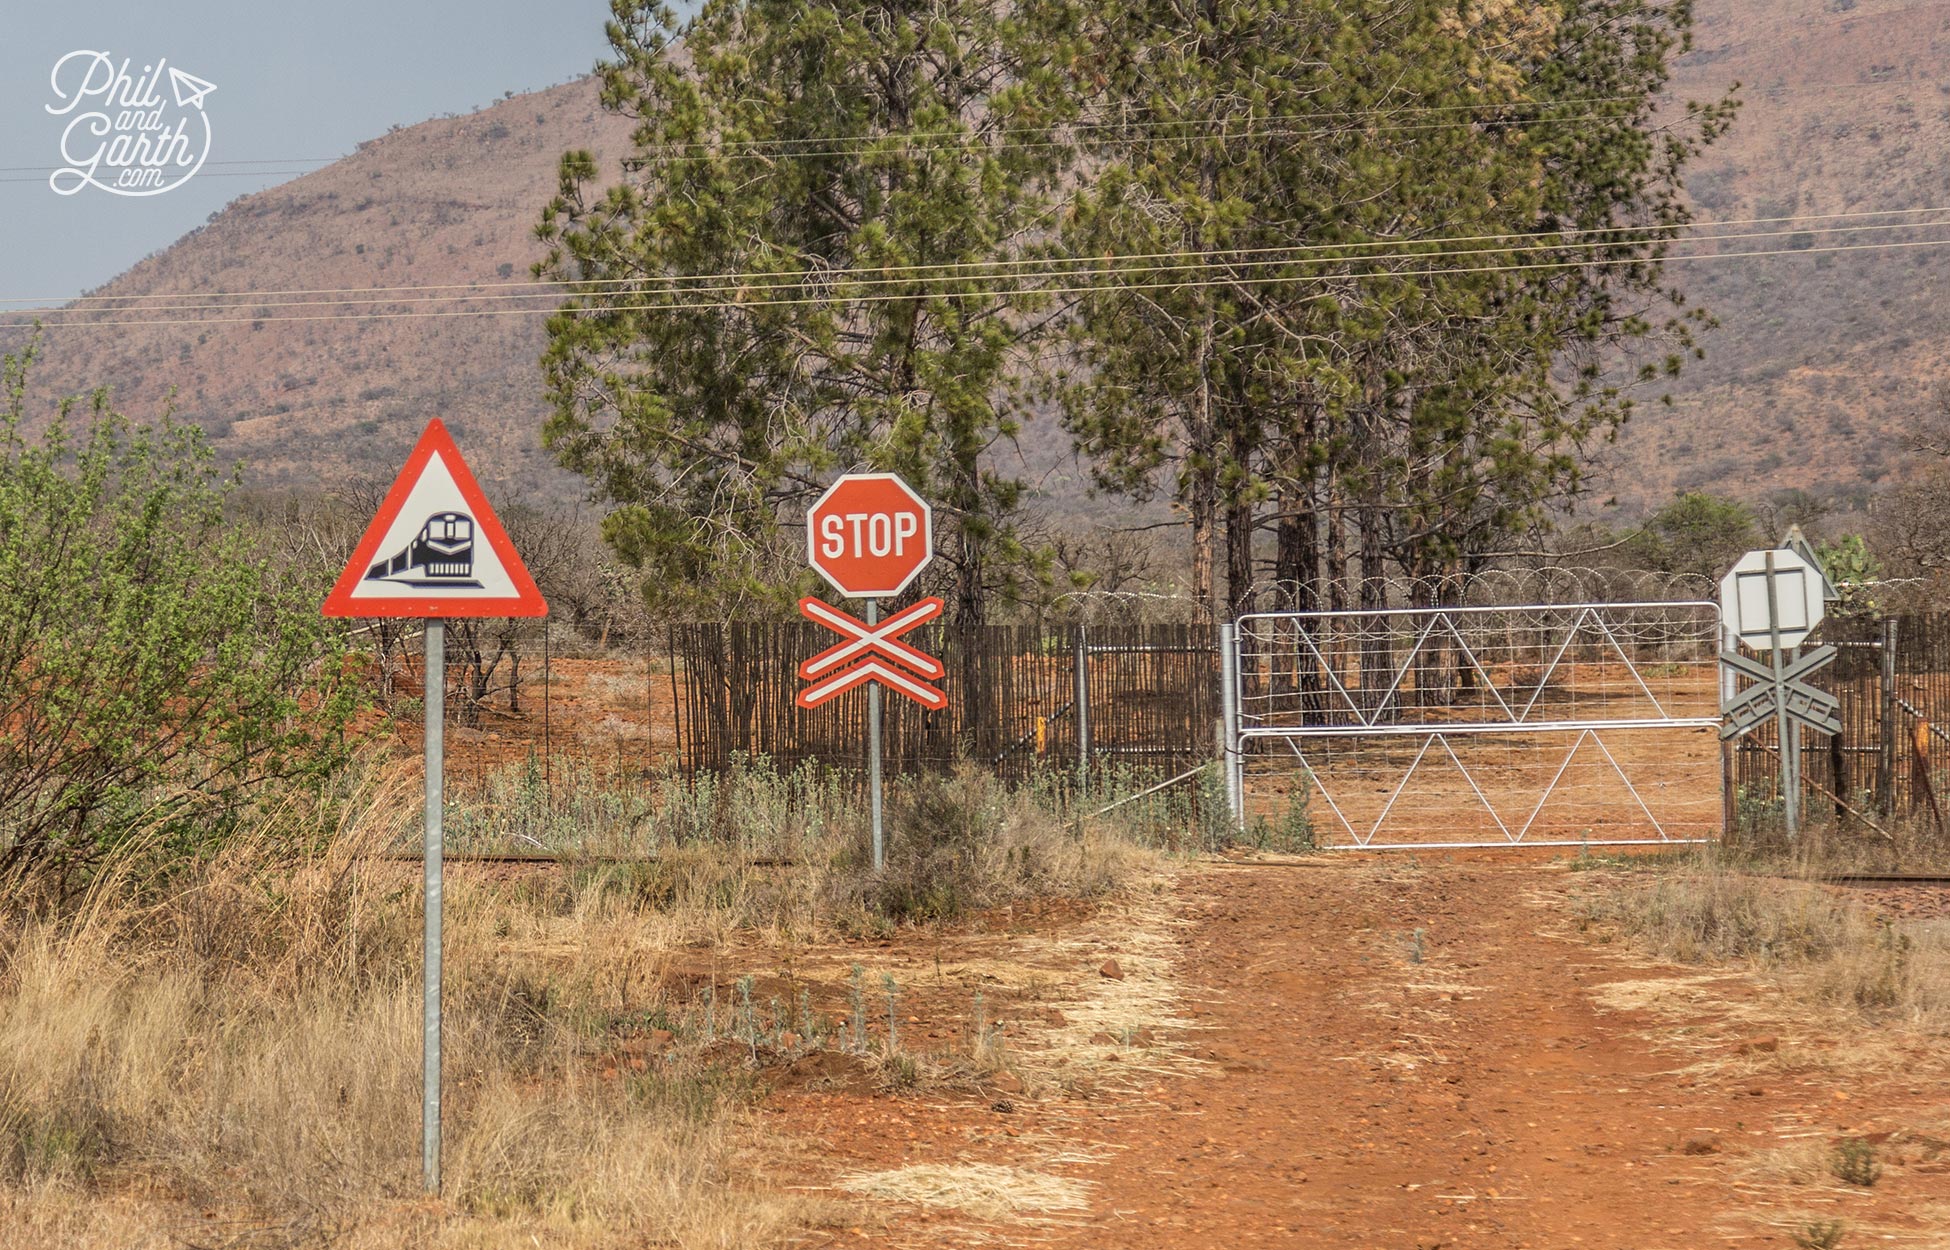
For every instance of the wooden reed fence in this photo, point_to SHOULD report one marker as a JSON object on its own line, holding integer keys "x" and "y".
{"x": 1019, "y": 697}
{"x": 1891, "y": 676}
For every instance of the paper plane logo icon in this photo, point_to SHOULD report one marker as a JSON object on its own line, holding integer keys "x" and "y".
{"x": 189, "y": 89}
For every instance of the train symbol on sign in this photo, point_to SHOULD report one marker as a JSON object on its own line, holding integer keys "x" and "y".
{"x": 441, "y": 554}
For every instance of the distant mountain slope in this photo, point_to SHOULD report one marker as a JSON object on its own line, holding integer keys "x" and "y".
{"x": 1819, "y": 357}
{"x": 446, "y": 201}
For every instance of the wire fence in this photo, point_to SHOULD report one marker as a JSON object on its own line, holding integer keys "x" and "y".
{"x": 1023, "y": 700}
{"x": 1142, "y": 699}
{"x": 1020, "y": 697}
{"x": 1891, "y": 678}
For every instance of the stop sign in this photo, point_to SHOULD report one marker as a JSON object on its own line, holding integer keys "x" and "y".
{"x": 869, "y": 534}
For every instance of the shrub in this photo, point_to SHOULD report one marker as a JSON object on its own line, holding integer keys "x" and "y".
{"x": 963, "y": 842}
{"x": 154, "y": 672}
{"x": 1855, "y": 1163}
{"x": 1820, "y": 1235}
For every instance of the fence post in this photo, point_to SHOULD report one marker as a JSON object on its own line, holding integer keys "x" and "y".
{"x": 1729, "y": 797}
{"x": 1083, "y": 710}
{"x": 1229, "y": 733}
{"x": 1886, "y": 765}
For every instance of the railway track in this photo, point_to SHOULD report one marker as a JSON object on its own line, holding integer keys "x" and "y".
{"x": 545, "y": 860}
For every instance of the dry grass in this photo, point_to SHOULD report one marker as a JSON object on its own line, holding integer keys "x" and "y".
{"x": 1798, "y": 1163}
{"x": 229, "y": 1055}
{"x": 1821, "y": 947}
{"x": 240, "y": 1049}
{"x": 1904, "y": 842}
{"x": 784, "y": 853}
{"x": 1121, "y": 1031}
{"x": 966, "y": 842}
{"x": 985, "y": 1190}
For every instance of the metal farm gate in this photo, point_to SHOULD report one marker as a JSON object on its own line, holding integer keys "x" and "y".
{"x": 1536, "y": 725}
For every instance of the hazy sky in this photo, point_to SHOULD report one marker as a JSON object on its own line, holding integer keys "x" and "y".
{"x": 296, "y": 84}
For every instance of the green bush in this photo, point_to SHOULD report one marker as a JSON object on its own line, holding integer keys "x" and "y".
{"x": 155, "y": 673}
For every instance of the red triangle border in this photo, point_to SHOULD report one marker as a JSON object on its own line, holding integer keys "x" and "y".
{"x": 527, "y": 600}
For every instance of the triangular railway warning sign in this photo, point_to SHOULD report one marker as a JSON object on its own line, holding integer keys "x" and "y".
{"x": 435, "y": 549}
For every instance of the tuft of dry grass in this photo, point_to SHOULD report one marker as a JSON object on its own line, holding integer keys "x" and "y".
{"x": 1797, "y": 1163}
{"x": 1828, "y": 949}
{"x": 985, "y": 1190}
{"x": 964, "y": 842}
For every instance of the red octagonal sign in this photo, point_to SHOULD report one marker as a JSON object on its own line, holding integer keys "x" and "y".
{"x": 869, "y": 534}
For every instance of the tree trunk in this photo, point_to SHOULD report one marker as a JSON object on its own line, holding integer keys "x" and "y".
{"x": 1296, "y": 567}
{"x": 975, "y": 722}
{"x": 970, "y": 606}
{"x": 1377, "y": 652}
{"x": 1239, "y": 557}
{"x": 1241, "y": 512}
{"x": 1202, "y": 467}
{"x": 1296, "y": 555}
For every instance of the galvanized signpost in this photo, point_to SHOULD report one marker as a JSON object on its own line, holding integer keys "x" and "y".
{"x": 1771, "y": 601}
{"x": 870, "y": 535}
{"x": 434, "y": 550}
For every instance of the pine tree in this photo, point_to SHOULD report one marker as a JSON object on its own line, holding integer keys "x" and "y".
{"x": 868, "y": 172}
{"x": 1386, "y": 208}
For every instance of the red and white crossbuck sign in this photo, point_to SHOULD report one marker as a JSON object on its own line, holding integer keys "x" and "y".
{"x": 858, "y": 657}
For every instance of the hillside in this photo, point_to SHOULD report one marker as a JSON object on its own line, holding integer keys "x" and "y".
{"x": 1818, "y": 358}
{"x": 447, "y": 201}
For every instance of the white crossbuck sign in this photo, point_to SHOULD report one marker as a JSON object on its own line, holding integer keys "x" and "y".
{"x": 1775, "y": 690}
{"x": 883, "y": 638}
{"x": 841, "y": 667}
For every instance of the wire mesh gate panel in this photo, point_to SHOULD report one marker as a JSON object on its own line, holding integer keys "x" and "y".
{"x": 1551, "y": 725}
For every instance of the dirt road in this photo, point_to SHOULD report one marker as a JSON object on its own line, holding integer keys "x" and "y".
{"x": 1393, "y": 1054}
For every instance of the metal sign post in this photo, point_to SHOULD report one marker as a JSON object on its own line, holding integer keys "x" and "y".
{"x": 870, "y": 535}
{"x": 435, "y": 550}
{"x": 436, "y": 755}
{"x": 1785, "y": 734}
{"x": 873, "y": 753}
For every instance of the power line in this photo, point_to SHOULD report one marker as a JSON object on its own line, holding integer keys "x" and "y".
{"x": 791, "y": 145}
{"x": 750, "y": 277}
{"x": 944, "y": 139}
{"x": 1082, "y": 267}
{"x": 979, "y": 138}
{"x": 1274, "y": 280}
{"x": 260, "y": 160}
{"x": 852, "y": 143}
{"x": 221, "y": 173}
